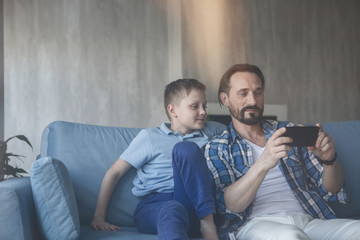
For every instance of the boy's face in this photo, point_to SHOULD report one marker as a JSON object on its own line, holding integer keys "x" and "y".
{"x": 189, "y": 112}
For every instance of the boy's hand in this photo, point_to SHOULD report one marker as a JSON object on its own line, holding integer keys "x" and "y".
{"x": 324, "y": 147}
{"x": 101, "y": 225}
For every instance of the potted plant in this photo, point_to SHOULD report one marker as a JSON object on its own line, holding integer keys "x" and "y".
{"x": 6, "y": 169}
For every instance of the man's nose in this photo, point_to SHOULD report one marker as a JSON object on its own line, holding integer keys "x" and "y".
{"x": 251, "y": 99}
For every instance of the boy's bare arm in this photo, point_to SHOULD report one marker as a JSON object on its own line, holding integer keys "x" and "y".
{"x": 111, "y": 178}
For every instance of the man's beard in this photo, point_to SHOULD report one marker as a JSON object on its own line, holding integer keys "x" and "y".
{"x": 240, "y": 115}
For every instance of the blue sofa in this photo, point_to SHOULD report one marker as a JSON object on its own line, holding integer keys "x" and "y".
{"x": 87, "y": 151}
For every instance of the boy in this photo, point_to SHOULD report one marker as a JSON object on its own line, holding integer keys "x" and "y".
{"x": 172, "y": 174}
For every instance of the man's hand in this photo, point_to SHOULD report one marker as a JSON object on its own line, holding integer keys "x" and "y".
{"x": 324, "y": 147}
{"x": 101, "y": 225}
{"x": 275, "y": 149}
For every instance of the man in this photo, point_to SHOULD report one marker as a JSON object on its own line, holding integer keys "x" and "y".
{"x": 264, "y": 188}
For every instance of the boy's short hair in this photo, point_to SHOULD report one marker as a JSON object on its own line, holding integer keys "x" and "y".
{"x": 178, "y": 89}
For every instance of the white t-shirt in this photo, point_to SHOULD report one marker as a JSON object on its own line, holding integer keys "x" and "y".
{"x": 274, "y": 196}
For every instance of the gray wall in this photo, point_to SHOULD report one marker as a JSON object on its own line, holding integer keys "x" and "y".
{"x": 309, "y": 51}
{"x": 1, "y": 72}
{"x": 88, "y": 61}
{"x": 106, "y": 62}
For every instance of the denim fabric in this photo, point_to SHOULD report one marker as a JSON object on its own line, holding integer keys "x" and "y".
{"x": 175, "y": 215}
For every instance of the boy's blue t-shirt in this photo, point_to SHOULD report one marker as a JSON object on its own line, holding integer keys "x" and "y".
{"x": 150, "y": 153}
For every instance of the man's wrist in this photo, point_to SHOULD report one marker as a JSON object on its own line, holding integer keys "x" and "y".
{"x": 331, "y": 162}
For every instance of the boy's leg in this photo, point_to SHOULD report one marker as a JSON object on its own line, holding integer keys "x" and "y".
{"x": 173, "y": 222}
{"x": 192, "y": 186}
{"x": 147, "y": 212}
{"x": 158, "y": 213}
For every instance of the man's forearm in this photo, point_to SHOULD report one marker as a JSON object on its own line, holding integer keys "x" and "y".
{"x": 239, "y": 195}
{"x": 333, "y": 177}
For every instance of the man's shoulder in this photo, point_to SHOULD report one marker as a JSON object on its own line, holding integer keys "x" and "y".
{"x": 224, "y": 138}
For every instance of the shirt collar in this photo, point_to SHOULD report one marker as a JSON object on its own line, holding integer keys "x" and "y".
{"x": 165, "y": 127}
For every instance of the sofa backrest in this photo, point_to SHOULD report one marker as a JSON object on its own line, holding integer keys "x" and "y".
{"x": 347, "y": 143}
{"x": 88, "y": 151}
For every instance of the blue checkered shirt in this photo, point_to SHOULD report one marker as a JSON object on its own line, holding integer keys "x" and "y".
{"x": 229, "y": 158}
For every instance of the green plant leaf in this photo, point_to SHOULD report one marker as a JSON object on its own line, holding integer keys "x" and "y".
{"x": 13, "y": 171}
{"x": 20, "y": 170}
{"x": 14, "y": 155}
{"x": 22, "y": 138}
{"x": 7, "y": 169}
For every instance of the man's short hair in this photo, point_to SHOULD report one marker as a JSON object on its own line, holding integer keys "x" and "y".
{"x": 225, "y": 79}
{"x": 178, "y": 89}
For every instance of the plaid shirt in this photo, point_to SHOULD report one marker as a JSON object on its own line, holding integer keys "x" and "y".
{"x": 229, "y": 158}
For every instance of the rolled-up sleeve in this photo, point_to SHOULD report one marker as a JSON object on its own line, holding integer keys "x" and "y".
{"x": 315, "y": 171}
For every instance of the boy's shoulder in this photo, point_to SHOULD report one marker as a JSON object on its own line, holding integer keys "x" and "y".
{"x": 162, "y": 130}
{"x": 152, "y": 131}
{"x": 213, "y": 128}
{"x": 210, "y": 129}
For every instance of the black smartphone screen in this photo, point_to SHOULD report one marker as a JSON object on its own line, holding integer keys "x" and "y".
{"x": 302, "y": 136}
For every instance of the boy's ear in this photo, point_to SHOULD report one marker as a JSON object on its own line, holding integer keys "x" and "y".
{"x": 171, "y": 110}
{"x": 224, "y": 99}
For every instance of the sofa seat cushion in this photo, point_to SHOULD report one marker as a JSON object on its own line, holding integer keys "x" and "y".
{"x": 126, "y": 233}
{"x": 54, "y": 199}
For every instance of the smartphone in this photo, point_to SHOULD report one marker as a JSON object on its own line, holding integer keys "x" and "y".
{"x": 302, "y": 136}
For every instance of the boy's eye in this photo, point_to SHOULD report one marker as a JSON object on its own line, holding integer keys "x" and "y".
{"x": 194, "y": 106}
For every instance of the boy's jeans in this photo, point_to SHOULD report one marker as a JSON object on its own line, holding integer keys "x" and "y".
{"x": 174, "y": 215}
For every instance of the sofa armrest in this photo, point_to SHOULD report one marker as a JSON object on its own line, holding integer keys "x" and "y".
{"x": 18, "y": 215}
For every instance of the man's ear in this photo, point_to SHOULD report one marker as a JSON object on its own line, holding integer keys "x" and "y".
{"x": 224, "y": 99}
{"x": 171, "y": 110}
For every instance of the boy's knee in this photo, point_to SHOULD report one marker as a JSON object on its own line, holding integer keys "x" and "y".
{"x": 173, "y": 221}
{"x": 173, "y": 214}
{"x": 173, "y": 208}
{"x": 186, "y": 148}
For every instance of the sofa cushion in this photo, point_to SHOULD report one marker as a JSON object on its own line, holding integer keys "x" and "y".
{"x": 17, "y": 212}
{"x": 54, "y": 199}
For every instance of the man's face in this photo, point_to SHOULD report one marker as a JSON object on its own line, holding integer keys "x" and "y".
{"x": 246, "y": 98}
